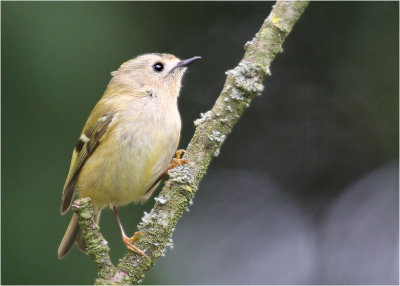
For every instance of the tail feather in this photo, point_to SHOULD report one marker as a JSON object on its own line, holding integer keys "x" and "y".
{"x": 73, "y": 235}
{"x": 70, "y": 237}
{"x": 80, "y": 242}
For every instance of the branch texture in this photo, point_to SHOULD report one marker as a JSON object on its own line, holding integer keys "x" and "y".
{"x": 96, "y": 245}
{"x": 243, "y": 83}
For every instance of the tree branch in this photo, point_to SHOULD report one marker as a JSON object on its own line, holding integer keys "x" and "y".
{"x": 96, "y": 245}
{"x": 243, "y": 83}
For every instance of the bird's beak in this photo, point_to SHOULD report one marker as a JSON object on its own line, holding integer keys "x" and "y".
{"x": 186, "y": 62}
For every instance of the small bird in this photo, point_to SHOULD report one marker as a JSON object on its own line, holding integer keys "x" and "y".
{"x": 128, "y": 141}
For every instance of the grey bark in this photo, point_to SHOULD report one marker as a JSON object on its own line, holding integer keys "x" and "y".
{"x": 242, "y": 84}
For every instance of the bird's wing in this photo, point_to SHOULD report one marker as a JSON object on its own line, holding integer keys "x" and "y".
{"x": 91, "y": 137}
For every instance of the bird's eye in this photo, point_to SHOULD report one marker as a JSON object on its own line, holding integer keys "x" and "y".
{"x": 158, "y": 67}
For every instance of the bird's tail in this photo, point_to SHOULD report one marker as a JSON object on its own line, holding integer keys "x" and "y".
{"x": 70, "y": 237}
{"x": 73, "y": 235}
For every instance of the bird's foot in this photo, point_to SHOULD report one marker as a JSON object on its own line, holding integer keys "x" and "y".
{"x": 128, "y": 241}
{"x": 178, "y": 161}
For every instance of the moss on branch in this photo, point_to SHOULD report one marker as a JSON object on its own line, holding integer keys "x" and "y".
{"x": 96, "y": 245}
{"x": 242, "y": 84}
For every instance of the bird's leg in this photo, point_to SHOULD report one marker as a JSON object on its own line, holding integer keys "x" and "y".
{"x": 128, "y": 241}
{"x": 177, "y": 161}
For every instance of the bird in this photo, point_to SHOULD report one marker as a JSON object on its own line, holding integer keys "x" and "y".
{"x": 127, "y": 143}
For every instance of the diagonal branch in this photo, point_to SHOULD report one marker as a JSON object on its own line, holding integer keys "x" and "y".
{"x": 243, "y": 83}
{"x": 96, "y": 245}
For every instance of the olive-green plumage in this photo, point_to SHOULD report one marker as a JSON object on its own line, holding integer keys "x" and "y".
{"x": 128, "y": 140}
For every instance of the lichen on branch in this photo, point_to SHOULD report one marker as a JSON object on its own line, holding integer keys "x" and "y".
{"x": 243, "y": 83}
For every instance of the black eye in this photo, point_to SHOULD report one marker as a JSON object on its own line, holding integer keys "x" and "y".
{"x": 158, "y": 67}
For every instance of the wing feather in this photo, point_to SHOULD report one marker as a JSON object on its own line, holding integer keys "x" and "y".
{"x": 87, "y": 144}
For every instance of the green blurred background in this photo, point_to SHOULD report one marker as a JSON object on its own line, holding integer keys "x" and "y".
{"x": 306, "y": 187}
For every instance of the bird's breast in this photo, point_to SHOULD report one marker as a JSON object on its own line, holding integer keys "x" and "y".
{"x": 143, "y": 144}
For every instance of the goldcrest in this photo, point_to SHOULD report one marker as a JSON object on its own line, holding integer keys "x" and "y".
{"x": 128, "y": 141}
